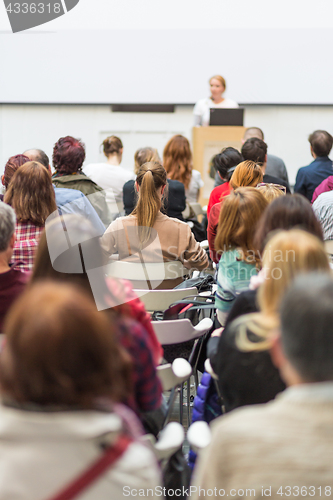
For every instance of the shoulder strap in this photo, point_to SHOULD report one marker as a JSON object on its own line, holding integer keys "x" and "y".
{"x": 109, "y": 457}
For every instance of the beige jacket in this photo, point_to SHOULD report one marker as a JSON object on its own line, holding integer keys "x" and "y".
{"x": 171, "y": 239}
{"x": 270, "y": 449}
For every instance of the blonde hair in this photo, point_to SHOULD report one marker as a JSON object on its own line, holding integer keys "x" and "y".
{"x": 247, "y": 173}
{"x": 177, "y": 159}
{"x": 145, "y": 155}
{"x": 271, "y": 191}
{"x": 239, "y": 215}
{"x": 286, "y": 255}
{"x": 150, "y": 177}
{"x": 220, "y": 79}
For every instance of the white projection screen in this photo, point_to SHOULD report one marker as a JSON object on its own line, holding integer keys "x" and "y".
{"x": 153, "y": 52}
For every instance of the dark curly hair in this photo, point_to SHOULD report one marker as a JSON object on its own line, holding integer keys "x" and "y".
{"x": 68, "y": 155}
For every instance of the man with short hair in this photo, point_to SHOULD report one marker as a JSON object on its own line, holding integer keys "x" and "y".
{"x": 69, "y": 201}
{"x": 255, "y": 149}
{"x": 283, "y": 448}
{"x": 12, "y": 280}
{"x": 274, "y": 165}
{"x": 309, "y": 177}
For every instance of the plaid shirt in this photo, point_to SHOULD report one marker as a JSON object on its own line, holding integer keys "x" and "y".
{"x": 27, "y": 239}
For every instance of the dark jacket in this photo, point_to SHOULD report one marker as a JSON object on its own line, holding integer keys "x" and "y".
{"x": 308, "y": 178}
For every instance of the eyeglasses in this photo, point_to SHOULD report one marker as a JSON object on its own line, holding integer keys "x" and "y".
{"x": 277, "y": 186}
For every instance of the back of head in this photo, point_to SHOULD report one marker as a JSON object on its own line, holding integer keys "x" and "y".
{"x": 7, "y": 225}
{"x": 255, "y": 149}
{"x": 306, "y": 327}
{"x": 239, "y": 216}
{"x": 150, "y": 178}
{"x": 63, "y": 354}
{"x": 253, "y": 132}
{"x": 11, "y": 166}
{"x": 68, "y": 155}
{"x": 246, "y": 174}
{"x": 31, "y": 193}
{"x": 145, "y": 155}
{"x": 177, "y": 159}
{"x": 286, "y": 255}
{"x": 287, "y": 212}
{"x": 271, "y": 191}
{"x": 39, "y": 156}
{"x": 112, "y": 145}
{"x": 227, "y": 159}
{"x": 321, "y": 142}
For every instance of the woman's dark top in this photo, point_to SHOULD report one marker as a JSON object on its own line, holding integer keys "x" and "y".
{"x": 244, "y": 378}
{"x": 174, "y": 205}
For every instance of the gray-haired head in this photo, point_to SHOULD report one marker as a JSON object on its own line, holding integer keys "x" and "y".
{"x": 306, "y": 326}
{"x": 7, "y": 225}
{"x": 38, "y": 155}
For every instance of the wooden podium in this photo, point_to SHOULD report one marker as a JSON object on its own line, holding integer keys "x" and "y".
{"x": 206, "y": 143}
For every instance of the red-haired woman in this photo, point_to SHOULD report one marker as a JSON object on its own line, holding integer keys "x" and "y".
{"x": 177, "y": 161}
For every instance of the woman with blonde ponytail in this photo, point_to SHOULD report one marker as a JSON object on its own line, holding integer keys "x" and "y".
{"x": 149, "y": 234}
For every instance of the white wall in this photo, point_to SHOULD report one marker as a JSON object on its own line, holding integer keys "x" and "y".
{"x": 286, "y": 129}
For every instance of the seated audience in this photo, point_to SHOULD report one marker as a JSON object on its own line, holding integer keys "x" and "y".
{"x": 246, "y": 174}
{"x": 31, "y": 194}
{"x": 110, "y": 175}
{"x": 175, "y": 203}
{"x": 255, "y": 149}
{"x": 239, "y": 261}
{"x": 63, "y": 378}
{"x": 177, "y": 161}
{"x": 309, "y": 177}
{"x": 82, "y": 264}
{"x": 12, "y": 280}
{"x": 242, "y": 363}
{"x": 224, "y": 164}
{"x": 284, "y": 446}
{"x": 150, "y": 233}
{"x": 324, "y": 187}
{"x": 68, "y": 157}
{"x": 69, "y": 201}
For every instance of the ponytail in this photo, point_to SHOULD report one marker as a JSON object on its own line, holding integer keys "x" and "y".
{"x": 151, "y": 177}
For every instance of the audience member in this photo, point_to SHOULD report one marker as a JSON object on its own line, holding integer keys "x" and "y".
{"x": 246, "y": 174}
{"x": 284, "y": 446}
{"x": 242, "y": 363}
{"x": 239, "y": 261}
{"x": 177, "y": 161}
{"x": 12, "y": 281}
{"x": 323, "y": 209}
{"x": 255, "y": 149}
{"x": 175, "y": 203}
{"x": 68, "y": 157}
{"x": 324, "y": 187}
{"x": 271, "y": 191}
{"x": 13, "y": 163}
{"x": 69, "y": 201}
{"x": 82, "y": 264}
{"x": 63, "y": 379}
{"x": 147, "y": 233}
{"x": 110, "y": 175}
{"x": 309, "y": 177}
{"x": 224, "y": 163}
{"x": 31, "y": 194}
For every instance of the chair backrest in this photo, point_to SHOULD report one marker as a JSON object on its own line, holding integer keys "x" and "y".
{"x": 159, "y": 300}
{"x": 174, "y": 374}
{"x": 169, "y": 441}
{"x": 180, "y": 330}
{"x": 147, "y": 276}
{"x": 199, "y": 435}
